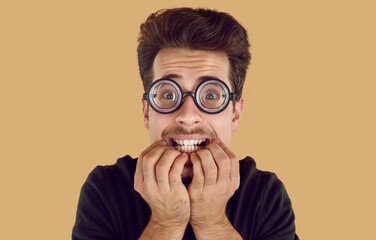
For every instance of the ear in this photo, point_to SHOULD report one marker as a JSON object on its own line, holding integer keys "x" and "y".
{"x": 145, "y": 110}
{"x": 237, "y": 114}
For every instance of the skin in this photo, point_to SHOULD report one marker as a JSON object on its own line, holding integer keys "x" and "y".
{"x": 214, "y": 170}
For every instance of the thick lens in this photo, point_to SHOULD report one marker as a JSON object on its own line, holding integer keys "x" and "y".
{"x": 213, "y": 96}
{"x": 166, "y": 96}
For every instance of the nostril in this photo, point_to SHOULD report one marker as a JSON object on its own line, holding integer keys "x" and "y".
{"x": 188, "y": 113}
{"x": 188, "y": 120}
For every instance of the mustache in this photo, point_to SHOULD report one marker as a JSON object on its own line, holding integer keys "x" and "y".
{"x": 179, "y": 130}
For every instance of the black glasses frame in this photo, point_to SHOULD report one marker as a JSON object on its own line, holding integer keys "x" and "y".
{"x": 149, "y": 95}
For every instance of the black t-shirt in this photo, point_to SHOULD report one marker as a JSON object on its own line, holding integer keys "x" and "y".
{"x": 110, "y": 208}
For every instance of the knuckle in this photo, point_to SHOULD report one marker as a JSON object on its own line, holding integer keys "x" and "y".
{"x": 161, "y": 165}
{"x": 211, "y": 180}
{"x": 233, "y": 157}
{"x": 137, "y": 187}
{"x": 172, "y": 177}
{"x": 212, "y": 173}
{"x": 196, "y": 195}
{"x": 159, "y": 171}
{"x": 236, "y": 182}
{"x": 174, "y": 180}
{"x": 203, "y": 151}
{"x": 223, "y": 162}
{"x": 148, "y": 192}
{"x": 171, "y": 151}
{"x": 200, "y": 150}
{"x": 151, "y": 156}
{"x": 224, "y": 191}
{"x": 148, "y": 157}
{"x": 200, "y": 179}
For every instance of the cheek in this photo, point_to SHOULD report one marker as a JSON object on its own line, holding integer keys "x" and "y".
{"x": 157, "y": 123}
{"x": 221, "y": 124}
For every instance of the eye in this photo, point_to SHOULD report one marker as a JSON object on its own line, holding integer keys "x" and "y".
{"x": 168, "y": 95}
{"x": 210, "y": 96}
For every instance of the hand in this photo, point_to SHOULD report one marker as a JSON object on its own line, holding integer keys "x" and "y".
{"x": 215, "y": 179}
{"x": 158, "y": 180}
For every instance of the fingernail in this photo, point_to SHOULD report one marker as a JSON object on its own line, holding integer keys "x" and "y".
{"x": 216, "y": 141}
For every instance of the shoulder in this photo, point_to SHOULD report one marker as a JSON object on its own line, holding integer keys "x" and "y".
{"x": 264, "y": 185}
{"x": 124, "y": 165}
{"x": 263, "y": 203}
{"x": 109, "y": 184}
{"x": 112, "y": 175}
{"x": 250, "y": 175}
{"x": 106, "y": 198}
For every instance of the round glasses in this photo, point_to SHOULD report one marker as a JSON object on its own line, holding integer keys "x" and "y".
{"x": 211, "y": 96}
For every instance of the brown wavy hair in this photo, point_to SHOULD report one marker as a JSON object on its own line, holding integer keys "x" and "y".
{"x": 197, "y": 29}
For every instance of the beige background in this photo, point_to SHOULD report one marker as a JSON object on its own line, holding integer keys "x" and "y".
{"x": 70, "y": 100}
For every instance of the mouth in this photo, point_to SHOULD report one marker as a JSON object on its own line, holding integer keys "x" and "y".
{"x": 189, "y": 145}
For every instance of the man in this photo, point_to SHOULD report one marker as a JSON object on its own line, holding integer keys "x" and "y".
{"x": 187, "y": 184}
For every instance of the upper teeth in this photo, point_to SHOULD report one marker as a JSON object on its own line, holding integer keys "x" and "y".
{"x": 186, "y": 142}
{"x": 188, "y": 145}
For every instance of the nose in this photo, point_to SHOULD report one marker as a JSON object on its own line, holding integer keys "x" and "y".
{"x": 188, "y": 114}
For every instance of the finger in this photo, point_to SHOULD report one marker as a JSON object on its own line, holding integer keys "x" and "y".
{"x": 235, "y": 173}
{"x": 152, "y": 146}
{"x": 176, "y": 171}
{"x": 209, "y": 166}
{"x": 222, "y": 160}
{"x": 229, "y": 153}
{"x": 163, "y": 167}
{"x": 139, "y": 174}
{"x": 234, "y": 167}
{"x": 198, "y": 179}
{"x": 149, "y": 163}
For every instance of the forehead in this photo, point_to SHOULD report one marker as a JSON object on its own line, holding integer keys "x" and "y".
{"x": 191, "y": 66}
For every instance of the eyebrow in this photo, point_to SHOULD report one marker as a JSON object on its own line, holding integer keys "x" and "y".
{"x": 178, "y": 77}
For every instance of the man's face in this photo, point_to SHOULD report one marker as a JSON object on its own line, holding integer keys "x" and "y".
{"x": 188, "y": 68}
